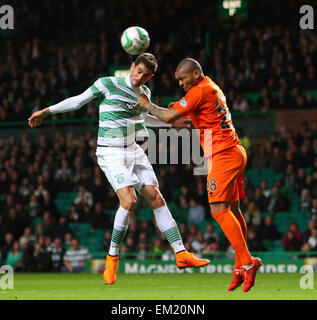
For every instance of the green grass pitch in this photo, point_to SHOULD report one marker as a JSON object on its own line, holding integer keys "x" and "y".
{"x": 153, "y": 287}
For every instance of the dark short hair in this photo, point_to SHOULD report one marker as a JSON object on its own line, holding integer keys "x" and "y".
{"x": 148, "y": 60}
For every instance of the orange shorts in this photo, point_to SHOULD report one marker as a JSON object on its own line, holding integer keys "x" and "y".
{"x": 225, "y": 177}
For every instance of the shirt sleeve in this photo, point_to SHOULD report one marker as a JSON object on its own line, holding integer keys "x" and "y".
{"x": 152, "y": 121}
{"x": 73, "y": 103}
{"x": 99, "y": 87}
{"x": 189, "y": 103}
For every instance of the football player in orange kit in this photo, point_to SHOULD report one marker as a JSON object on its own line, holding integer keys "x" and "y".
{"x": 206, "y": 105}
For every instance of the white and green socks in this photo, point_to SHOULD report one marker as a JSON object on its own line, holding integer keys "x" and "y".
{"x": 169, "y": 228}
{"x": 165, "y": 223}
{"x": 120, "y": 226}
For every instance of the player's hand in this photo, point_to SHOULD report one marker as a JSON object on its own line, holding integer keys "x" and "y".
{"x": 170, "y": 105}
{"x": 143, "y": 101}
{"x": 37, "y": 117}
{"x": 182, "y": 122}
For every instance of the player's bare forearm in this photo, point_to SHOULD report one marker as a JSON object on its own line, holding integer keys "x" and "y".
{"x": 37, "y": 117}
{"x": 166, "y": 115}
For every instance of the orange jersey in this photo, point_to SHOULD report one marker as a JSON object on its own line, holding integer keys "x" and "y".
{"x": 206, "y": 105}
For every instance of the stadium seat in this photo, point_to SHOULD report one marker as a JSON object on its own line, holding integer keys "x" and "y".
{"x": 63, "y": 201}
{"x": 110, "y": 213}
{"x": 202, "y": 225}
{"x": 35, "y": 222}
{"x": 145, "y": 214}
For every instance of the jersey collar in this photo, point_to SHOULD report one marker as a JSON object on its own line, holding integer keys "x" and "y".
{"x": 128, "y": 81}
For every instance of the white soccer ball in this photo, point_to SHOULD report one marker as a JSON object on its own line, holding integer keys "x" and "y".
{"x": 135, "y": 40}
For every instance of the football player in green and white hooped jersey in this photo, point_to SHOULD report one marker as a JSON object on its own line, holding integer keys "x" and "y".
{"x": 123, "y": 161}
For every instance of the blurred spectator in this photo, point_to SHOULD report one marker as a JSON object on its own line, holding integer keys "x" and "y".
{"x": 211, "y": 245}
{"x": 289, "y": 178}
{"x": 312, "y": 240}
{"x": 260, "y": 200}
{"x": 240, "y": 103}
{"x": 107, "y": 240}
{"x": 130, "y": 244}
{"x": 261, "y": 158}
{"x": 57, "y": 252}
{"x": 26, "y": 237}
{"x": 14, "y": 257}
{"x": 277, "y": 201}
{"x": 84, "y": 197}
{"x": 183, "y": 231}
{"x": 181, "y": 212}
{"x": 300, "y": 182}
{"x": 307, "y": 233}
{"x": 133, "y": 230}
{"x": 268, "y": 230}
{"x": 48, "y": 226}
{"x": 64, "y": 169}
{"x": 49, "y": 205}
{"x": 276, "y": 161}
{"x": 157, "y": 250}
{"x": 305, "y": 200}
{"x": 198, "y": 243}
{"x": 75, "y": 215}
{"x": 75, "y": 258}
{"x": 196, "y": 212}
{"x": 253, "y": 215}
{"x": 142, "y": 250}
{"x": 253, "y": 240}
{"x": 290, "y": 242}
{"x": 42, "y": 259}
{"x": 313, "y": 210}
{"x": 264, "y": 188}
{"x": 68, "y": 240}
{"x": 192, "y": 232}
{"x": 295, "y": 229}
{"x": 61, "y": 228}
{"x": 210, "y": 233}
{"x": 99, "y": 220}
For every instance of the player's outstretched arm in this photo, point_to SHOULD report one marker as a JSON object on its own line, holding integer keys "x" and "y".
{"x": 166, "y": 115}
{"x": 67, "y": 105}
{"x": 37, "y": 117}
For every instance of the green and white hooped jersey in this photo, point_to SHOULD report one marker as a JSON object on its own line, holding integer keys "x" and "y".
{"x": 120, "y": 117}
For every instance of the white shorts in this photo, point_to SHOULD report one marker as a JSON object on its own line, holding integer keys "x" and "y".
{"x": 125, "y": 167}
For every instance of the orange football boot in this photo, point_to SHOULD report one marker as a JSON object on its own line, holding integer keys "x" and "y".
{"x": 110, "y": 272}
{"x": 186, "y": 259}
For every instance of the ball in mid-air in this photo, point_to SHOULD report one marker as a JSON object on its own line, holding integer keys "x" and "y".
{"x": 135, "y": 40}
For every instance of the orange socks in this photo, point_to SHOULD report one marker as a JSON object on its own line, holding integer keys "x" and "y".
{"x": 234, "y": 228}
{"x": 243, "y": 224}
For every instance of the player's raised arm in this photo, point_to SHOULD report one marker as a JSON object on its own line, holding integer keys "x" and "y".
{"x": 69, "y": 104}
{"x": 166, "y": 115}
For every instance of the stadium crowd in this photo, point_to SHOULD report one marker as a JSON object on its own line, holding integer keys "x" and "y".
{"x": 259, "y": 56}
{"x": 262, "y": 57}
{"x": 28, "y": 187}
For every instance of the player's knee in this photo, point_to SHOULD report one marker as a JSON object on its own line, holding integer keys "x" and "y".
{"x": 156, "y": 200}
{"x": 129, "y": 203}
{"x": 218, "y": 206}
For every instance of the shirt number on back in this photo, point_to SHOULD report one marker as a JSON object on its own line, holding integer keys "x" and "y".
{"x": 226, "y": 116}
